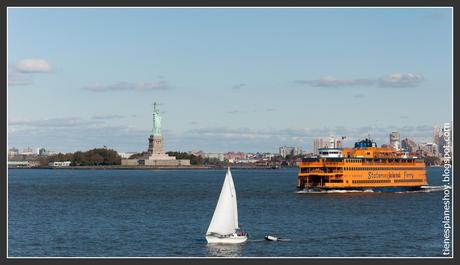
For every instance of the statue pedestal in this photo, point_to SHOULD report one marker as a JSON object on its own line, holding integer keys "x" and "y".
{"x": 156, "y": 145}
{"x": 156, "y": 149}
{"x": 160, "y": 157}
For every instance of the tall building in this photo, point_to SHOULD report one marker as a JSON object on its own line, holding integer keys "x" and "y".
{"x": 13, "y": 152}
{"x": 297, "y": 151}
{"x": 331, "y": 142}
{"x": 319, "y": 143}
{"x": 395, "y": 140}
{"x": 42, "y": 152}
{"x": 409, "y": 145}
{"x": 285, "y": 151}
{"x": 438, "y": 137}
{"x": 428, "y": 149}
{"x": 290, "y": 150}
{"x": 334, "y": 142}
{"x": 437, "y": 134}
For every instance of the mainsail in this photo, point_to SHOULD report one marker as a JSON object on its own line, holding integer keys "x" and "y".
{"x": 225, "y": 218}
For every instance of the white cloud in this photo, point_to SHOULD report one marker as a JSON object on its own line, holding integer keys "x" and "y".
{"x": 129, "y": 86}
{"x": 392, "y": 80}
{"x": 401, "y": 80}
{"x": 330, "y": 81}
{"x": 52, "y": 123}
{"x": 33, "y": 66}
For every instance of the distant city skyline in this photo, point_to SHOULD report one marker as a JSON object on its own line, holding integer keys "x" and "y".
{"x": 227, "y": 79}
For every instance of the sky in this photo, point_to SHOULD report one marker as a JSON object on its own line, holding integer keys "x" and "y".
{"x": 226, "y": 79}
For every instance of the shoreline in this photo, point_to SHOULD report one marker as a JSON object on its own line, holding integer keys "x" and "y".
{"x": 143, "y": 167}
{"x": 158, "y": 168}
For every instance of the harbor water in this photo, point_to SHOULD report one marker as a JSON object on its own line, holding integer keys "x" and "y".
{"x": 165, "y": 213}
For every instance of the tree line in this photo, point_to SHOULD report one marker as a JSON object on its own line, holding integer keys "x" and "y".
{"x": 93, "y": 157}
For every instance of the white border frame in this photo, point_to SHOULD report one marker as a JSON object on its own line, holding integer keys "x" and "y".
{"x": 237, "y": 7}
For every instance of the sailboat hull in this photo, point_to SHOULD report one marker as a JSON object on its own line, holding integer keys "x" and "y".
{"x": 232, "y": 239}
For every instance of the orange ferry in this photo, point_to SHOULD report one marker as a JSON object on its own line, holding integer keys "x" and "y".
{"x": 363, "y": 167}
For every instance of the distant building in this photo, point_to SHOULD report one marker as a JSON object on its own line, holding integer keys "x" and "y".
{"x": 50, "y": 152}
{"x": 42, "y": 152}
{"x": 248, "y": 161}
{"x": 395, "y": 140}
{"x": 409, "y": 145}
{"x": 437, "y": 134}
{"x": 126, "y": 155}
{"x": 285, "y": 151}
{"x": 331, "y": 142}
{"x": 24, "y": 163}
{"x": 59, "y": 164}
{"x": 197, "y": 153}
{"x": 288, "y": 150}
{"x": 319, "y": 143}
{"x": 219, "y": 156}
{"x": 234, "y": 156}
{"x": 428, "y": 149}
{"x": 438, "y": 137}
{"x": 267, "y": 156}
{"x": 297, "y": 151}
{"x": 27, "y": 151}
{"x": 334, "y": 142}
{"x": 13, "y": 152}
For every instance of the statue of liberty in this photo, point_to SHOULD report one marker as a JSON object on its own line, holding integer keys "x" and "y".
{"x": 156, "y": 130}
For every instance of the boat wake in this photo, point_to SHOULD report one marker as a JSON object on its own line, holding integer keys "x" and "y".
{"x": 264, "y": 240}
{"x": 422, "y": 189}
{"x": 425, "y": 189}
{"x": 284, "y": 239}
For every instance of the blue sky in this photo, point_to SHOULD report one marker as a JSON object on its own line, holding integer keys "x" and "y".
{"x": 247, "y": 79}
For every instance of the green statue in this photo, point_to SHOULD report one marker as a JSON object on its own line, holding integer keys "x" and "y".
{"x": 156, "y": 130}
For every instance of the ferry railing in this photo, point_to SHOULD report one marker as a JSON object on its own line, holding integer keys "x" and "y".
{"x": 322, "y": 171}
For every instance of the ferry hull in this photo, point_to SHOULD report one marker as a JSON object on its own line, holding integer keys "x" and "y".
{"x": 360, "y": 189}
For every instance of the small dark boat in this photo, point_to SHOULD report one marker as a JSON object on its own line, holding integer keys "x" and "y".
{"x": 271, "y": 238}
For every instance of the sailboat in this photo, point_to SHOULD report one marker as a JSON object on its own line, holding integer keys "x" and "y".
{"x": 224, "y": 223}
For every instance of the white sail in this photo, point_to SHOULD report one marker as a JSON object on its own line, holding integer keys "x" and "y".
{"x": 225, "y": 218}
{"x": 233, "y": 192}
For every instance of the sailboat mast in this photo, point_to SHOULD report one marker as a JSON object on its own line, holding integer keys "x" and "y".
{"x": 234, "y": 201}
